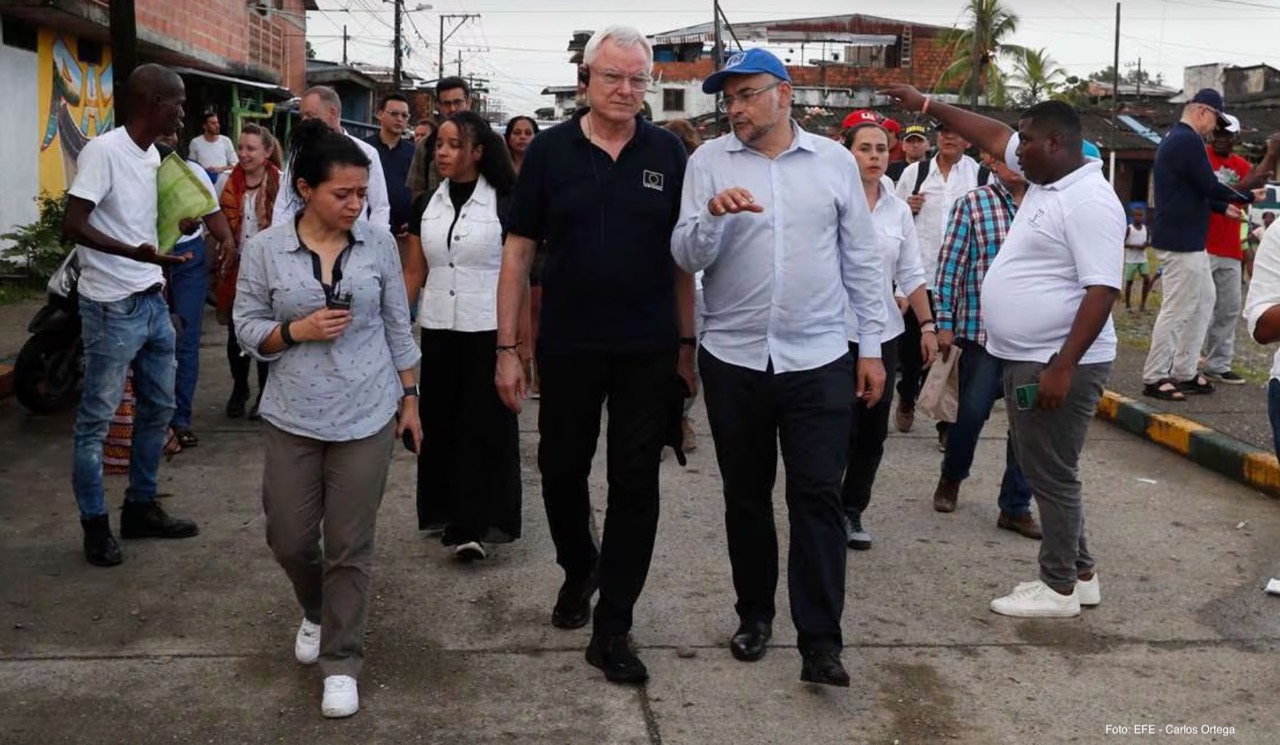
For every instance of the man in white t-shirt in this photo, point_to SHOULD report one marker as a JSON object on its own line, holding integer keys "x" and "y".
{"x": 322, "y": 102}
{"x": 930, "y": 187}
{"x": 111, "y": 215}
{"x": 1046, "y": 301}
{"x": 213, "y": 151}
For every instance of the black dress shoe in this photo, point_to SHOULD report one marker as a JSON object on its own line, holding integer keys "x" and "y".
{"x": 614, "y": 656}
{"x": 235, "y": 405}
{"x": 100, "y": 547}
{"x": 750, "y": 641}
{"x": 573, "y": 604}
{"x": 149, "y": 520}
{"x": 824, "y": 667}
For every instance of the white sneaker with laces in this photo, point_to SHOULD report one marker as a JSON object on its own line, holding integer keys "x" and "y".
{"x": 1089, "y": 591}
{"x": 341, "y": 697}
{"x": 306, "y": 647}
{"x": 1037, "y": 600}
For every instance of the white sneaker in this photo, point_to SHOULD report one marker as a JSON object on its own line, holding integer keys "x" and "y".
{"x": 1089, "y": 592}
{"x": 469, "y": 551}
{"x": 341, "y": 697}
{"x": 1037, "y": 600}
{"x": 306, "y": 647}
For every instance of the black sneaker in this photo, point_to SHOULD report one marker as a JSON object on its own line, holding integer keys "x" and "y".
{"x": 235, "y": 404}
{"x": 573, "y": 604}
{"x": 149, "y": 520}
{"x": 1227, "y": 378}
{"x": 100, "y": 547}
{"x": 858, "y": 537}
{"x": 613, "y": 655}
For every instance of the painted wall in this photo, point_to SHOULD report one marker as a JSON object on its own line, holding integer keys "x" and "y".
{"x": 74, "y": 105}
{"x": 19, "y": 132}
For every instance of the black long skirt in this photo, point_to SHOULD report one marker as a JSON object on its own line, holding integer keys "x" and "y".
{"x": 469, "y": 468}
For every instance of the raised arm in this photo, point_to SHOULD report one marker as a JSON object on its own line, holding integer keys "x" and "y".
{"x": 988, "y": 134}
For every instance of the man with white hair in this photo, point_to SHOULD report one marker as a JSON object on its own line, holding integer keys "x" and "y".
{"x": 602, "y": 191}
{"x": 322, "y": 102}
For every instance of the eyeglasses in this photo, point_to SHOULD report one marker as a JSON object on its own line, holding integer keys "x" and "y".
{"x": 744, "y": 97}
{"x": 613, "y": 79}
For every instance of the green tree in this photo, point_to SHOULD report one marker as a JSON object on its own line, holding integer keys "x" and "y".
{"x": 311, "y": 51}
{"x": 1037, "y": 76}
{"x": 976, "y": 49}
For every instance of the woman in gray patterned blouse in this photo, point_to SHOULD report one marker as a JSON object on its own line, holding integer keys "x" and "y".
{"x": 321, "y": 298}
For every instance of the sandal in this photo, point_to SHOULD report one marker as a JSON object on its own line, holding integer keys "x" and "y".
{"x": 186, "y": 438}
{"x": 171, "y": 445}
{"x": 1165, "y": 390}
{"x": 1198, "y": 385}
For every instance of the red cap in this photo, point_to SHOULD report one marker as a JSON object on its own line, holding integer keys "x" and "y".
{"x": 861, "y": 116}
{"x": 891, "y": 125}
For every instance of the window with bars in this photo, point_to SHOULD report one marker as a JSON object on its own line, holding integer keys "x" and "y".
{"x": 673, "y": 99}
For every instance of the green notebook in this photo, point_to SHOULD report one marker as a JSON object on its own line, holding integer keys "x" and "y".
{"x": 180, "y": 195}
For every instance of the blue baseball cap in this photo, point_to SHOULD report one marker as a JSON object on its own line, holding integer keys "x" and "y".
{"x": 750, "y": 62}
{"x": 1091, "y": 150}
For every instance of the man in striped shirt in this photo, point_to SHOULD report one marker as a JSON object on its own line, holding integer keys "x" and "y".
{"x": 976, "y": 229}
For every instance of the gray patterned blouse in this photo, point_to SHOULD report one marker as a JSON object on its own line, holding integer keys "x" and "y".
{"x": 345, "y": 389}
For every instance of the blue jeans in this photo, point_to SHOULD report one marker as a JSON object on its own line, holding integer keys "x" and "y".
{"x": 134, "y": 331}
{"x": 1273, "y": 412}
{"x": 188, "y": 285}
{"x": 980, "y": 385}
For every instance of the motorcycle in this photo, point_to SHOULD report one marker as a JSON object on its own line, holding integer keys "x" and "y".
{"x": 50, "y": 367}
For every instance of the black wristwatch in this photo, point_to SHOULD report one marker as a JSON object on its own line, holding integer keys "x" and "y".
{"x": 411, "y": 390}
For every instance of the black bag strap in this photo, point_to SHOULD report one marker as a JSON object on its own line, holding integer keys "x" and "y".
{"x": 984, "y": 175}
{"x": 922, "y": 173}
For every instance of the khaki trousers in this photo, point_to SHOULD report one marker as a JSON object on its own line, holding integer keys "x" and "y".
{"x": 312, "y": 489}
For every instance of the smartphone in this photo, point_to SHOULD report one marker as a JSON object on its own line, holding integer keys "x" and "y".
{"x": 339, "y": 302}
{"x": 407, "y": 439}
{"x": 1026, "y": 396}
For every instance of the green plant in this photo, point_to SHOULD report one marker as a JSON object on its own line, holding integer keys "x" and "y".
{"x": 38, "y": 247}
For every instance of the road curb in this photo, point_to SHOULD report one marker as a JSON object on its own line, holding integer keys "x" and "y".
{"x": 1248, "y": 464}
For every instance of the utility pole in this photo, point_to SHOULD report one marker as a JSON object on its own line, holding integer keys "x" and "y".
{"x": 399, "y": 42}
{"x": 461, "y": 18}
{"x": 977, "y": 63}
{"x": 459, "y": 63}
{"x": 718, "y": 51}
{"x": 1115, "y": 70}
{"x": 124, "y": 51}
{"x": 344, "y": 45}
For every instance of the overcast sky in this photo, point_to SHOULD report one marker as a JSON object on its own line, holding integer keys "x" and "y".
{"x": 519, "y": 46}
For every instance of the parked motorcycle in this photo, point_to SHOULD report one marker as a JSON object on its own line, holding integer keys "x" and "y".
{"x": 50, "y": 367}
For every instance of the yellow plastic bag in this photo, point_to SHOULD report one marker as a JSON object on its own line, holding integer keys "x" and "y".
{"x": 180, "y": 195}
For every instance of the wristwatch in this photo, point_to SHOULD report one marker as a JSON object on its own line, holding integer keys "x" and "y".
{"x": 411, "y": 390}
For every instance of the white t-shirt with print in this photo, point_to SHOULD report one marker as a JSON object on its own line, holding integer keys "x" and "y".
{"x": 120, "y": 179}
{"x": 1067, "y": 236}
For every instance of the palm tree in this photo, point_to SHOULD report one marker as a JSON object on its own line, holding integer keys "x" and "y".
{"x": 1037, "y": 74}
{"x": 975, "y": 50}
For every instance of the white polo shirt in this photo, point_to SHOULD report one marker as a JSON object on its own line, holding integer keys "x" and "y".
{"x": 1066, "y": 236}
{"x": 120, "y": 179}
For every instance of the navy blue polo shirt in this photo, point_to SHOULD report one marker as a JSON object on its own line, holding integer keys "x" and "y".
{"x": 395, "y": 167}
{"x": 1186, "y": 189}
{"x": 608, "y": 284}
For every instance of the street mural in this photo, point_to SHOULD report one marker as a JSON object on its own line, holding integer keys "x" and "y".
{"x": 76, "y": 105}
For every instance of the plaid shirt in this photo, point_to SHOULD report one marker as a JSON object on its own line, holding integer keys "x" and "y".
{"x": 975, "y": 231}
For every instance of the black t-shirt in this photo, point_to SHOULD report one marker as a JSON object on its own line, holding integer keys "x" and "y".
{"x": 609, "y": 279}
{"x": 895, "y": 169}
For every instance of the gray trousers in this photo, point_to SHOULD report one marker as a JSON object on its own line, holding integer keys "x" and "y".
{"x": 1048, "y": 445}
{"x": 313, "y": 489}
{"x": 1220, "y": 342}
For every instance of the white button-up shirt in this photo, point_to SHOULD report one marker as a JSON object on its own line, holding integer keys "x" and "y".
{"x": 462, "y": 278}
{"x": 377, "y": 205}
{"x": 896, "y": 235}
{"x": 940, "y": 194}
{"x": 777, "y": 282}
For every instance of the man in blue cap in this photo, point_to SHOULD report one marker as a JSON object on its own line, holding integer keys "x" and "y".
{"x": 779, "y": 219}
{"x": 1186, "y": 189}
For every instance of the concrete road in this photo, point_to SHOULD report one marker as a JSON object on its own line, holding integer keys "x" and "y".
{"x": 191, "y": 641}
